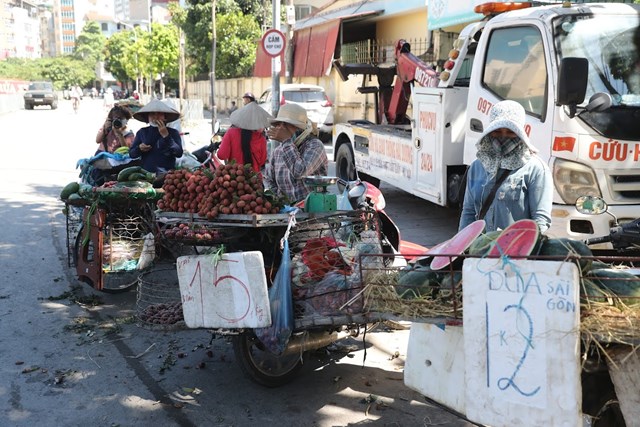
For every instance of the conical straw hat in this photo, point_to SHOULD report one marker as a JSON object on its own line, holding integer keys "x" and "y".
{"x": 157, "y": 106}
{"x": 250, "y": 117}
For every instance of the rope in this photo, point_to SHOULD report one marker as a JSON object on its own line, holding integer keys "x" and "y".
{"x": 292, "y": 223}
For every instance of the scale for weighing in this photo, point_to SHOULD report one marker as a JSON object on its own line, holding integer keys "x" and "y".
{"x": 320, "y": 200}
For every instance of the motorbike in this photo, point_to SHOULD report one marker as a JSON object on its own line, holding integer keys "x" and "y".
{"x": 599, "y": 394}
{"x": 363, "y": 195}
{"x": 624, "y": 237}
{"x": 206, "y": 155}
{"x": 274, "y": 370}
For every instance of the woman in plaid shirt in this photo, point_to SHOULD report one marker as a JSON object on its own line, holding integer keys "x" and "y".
{"x": 299, "y": 154}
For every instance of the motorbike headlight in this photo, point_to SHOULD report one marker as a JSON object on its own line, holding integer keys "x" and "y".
{"x": 573, "y": 180}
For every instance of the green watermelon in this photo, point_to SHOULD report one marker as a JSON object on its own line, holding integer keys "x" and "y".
{"x": 597, "y": 265}
{"x": 563, "y": 247}
{"x": 617, "y": 281}
{"x": 483, "y": 243}
{"x": 417, "y": 281}
{"x": 452, "y": 280}
{"x": 590, "y": 292}
{"x": 517, "y": 240}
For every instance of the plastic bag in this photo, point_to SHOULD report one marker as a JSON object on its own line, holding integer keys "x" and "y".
{"x": 276, "y": 336}
{"x": 148, "y": 252}
{"x": 343, "y": 201}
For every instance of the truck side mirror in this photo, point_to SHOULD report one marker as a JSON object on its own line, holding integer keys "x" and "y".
{"x": 572, "y": 82}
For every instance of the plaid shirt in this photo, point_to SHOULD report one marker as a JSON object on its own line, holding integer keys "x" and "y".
{"x": 288, "y": 165}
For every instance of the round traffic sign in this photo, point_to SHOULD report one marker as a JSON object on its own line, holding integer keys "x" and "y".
{"x": 273, "y": 42}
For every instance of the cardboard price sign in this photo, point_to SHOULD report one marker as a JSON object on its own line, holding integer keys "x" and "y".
{"x": 229, "y": 293}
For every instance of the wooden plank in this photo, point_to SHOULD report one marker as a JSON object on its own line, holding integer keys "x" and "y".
{"x": 625, "y": 375}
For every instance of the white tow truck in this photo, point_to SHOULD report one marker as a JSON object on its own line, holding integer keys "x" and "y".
{"x": 575, "y": 68}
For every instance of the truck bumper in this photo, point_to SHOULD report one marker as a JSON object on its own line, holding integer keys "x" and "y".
{"x": 566, "y": 221}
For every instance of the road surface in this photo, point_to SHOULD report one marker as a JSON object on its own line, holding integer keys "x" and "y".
{"x": 74, "y": 357}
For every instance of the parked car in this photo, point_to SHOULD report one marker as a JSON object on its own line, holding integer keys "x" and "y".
{"x": 40, "y": 93}
{"x": 312, "y": 98}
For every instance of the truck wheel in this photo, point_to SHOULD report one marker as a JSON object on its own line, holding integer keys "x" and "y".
{"x": 28, "y": 106}
{"x": 345, "y": 165}
{"x": 54, "y": 105}
{"x": 456, "y": 186}
{"x": 262, "y": 366}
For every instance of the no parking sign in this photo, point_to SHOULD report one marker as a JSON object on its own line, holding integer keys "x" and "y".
{"x": 273, "y": 42}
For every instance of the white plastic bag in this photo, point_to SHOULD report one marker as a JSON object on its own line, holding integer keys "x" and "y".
{"x": 148, "y": 252}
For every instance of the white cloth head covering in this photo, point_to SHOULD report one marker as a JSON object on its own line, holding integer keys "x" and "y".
{"x": 509, "y": 115}
{"x": 250, "y": 117}
{"x": 157, "y": 106}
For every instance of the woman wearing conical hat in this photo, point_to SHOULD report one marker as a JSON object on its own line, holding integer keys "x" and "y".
{"x": 245, "y": 142}
{"x": 157, "y": 145}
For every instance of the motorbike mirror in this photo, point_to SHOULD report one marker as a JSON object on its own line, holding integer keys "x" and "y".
{"x": 216, "y": 127}
{"x": 357, "y": 191}
{"x": 591, "y": 205}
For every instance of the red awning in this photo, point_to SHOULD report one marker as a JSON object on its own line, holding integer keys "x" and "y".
{"x": 314, "y": 48}
{"x": 262, "y": 67}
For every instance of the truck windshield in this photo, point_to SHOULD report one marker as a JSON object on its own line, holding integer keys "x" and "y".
{"x": 610, "y": 43}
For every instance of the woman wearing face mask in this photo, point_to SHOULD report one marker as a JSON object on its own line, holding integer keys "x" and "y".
{"x": 507, "y": 182}
{"x": 157, "y": 145}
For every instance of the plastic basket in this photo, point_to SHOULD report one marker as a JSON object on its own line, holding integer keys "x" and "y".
{"x": 158, "y": 303}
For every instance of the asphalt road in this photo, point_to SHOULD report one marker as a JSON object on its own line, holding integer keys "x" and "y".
{"x": 74, "y": 357}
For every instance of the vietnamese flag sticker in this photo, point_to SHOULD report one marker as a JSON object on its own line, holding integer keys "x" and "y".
{"x": 563, "y": 143}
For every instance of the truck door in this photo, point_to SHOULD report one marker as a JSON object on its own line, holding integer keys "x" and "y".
{"x": 438, "y": 139}
{"x": 512, "y": 62}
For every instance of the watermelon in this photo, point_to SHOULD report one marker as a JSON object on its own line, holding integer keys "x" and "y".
{"x": 517, "y": 240}
{"x": 483, "y": 243}
{"x": 417, "y": 281}
{"x": 564, "y": 247}
{"x": 599, "y": 265}
{"x": 451, "y": 281}
{"x": 427, "y": 258}
{"x": 617, "y": 281}
{"x": 457, "y": 245}
{"x": 590, "y": 292}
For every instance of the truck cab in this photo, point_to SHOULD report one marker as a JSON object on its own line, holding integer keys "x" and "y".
{"x": 581, "y": 122}
{"x": 575, "y": 68}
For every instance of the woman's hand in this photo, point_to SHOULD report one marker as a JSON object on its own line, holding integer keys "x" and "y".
{"x": 162, "y": 128}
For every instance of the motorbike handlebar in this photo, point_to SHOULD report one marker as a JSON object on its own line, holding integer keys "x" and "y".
{"x": 596, "y": 240}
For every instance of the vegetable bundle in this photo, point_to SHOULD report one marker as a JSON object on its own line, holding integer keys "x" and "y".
{"x": 231, "y": 189}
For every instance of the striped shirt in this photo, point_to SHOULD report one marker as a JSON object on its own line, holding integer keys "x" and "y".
{"x": 285, "y": 171}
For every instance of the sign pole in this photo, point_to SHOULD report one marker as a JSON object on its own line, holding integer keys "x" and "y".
{"x": 275, "y": 65}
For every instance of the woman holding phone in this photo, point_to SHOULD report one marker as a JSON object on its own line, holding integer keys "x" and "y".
{"x": 157, "y": 145}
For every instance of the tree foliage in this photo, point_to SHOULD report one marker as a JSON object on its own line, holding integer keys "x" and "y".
{"x": 238, "y": 24}
{"x": 163, "y": 50}
{"x": 236, "y": 54}
{"x": 63, "y": 71}
{"x": 114, "y": 54}
{"x": 89, "y": 43}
